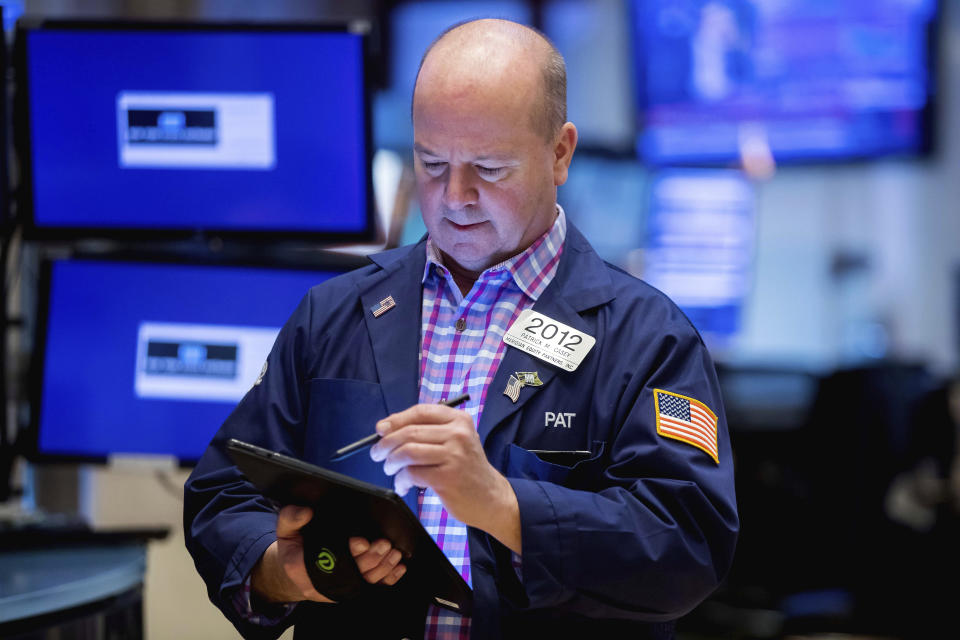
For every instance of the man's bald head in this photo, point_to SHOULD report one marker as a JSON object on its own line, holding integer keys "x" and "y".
{"x": 492, "y": 54}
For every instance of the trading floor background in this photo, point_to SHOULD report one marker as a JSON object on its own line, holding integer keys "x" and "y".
{"x": 788, "y": 172}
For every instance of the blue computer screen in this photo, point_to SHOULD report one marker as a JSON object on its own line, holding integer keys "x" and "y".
{"x": 594, "y": 40}
{"x": 198, "y": 130}
{"x": 143, "y": 358}
{"x": 413, "y": 26}
{"x": 699, "y": 246}
{"x": 803, "y": 80}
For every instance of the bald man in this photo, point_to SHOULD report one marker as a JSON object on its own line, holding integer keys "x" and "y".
{"x": 585, "y": 489}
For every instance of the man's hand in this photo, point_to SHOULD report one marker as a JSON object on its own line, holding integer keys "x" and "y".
{"x": 431, "y": 445}
{"x": 280, "y": 575}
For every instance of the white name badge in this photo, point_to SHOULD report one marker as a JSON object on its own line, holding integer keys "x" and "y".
{"x": 554, "y": 342}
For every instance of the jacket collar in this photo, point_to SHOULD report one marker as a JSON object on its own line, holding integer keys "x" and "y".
{"x": 582, "y": 282}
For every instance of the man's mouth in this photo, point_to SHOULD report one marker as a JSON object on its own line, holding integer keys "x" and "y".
{"x": 464, "y": 227}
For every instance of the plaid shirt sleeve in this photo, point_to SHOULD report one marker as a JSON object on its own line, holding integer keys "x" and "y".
{"x": 243, "y": 603}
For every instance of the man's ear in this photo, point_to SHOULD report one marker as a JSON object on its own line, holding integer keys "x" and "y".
{"x": 564, "y": 146}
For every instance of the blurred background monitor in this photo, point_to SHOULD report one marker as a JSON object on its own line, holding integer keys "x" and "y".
{"x": 413, "y": 26}
{"x": 7, "y": 454}
{"x": 592, "y": 36}
{"x": 766, "y": 398}
{"x": 807, "y": 80}
{"x": 956, "y": 315}
{"x": 5, "y": 212}
{"x": 594, "y": 39}
{"x": 150, "y": 358}
{"x": 699, "y": 246}
{"x": 603, "y": 197}
{"x": 11, "y": 10}
{"x": 139, "y": 127}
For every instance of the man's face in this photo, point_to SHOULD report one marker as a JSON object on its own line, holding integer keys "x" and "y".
{"x": 485, "y": 179}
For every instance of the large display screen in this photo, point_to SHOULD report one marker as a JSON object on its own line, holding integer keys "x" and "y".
{"x": 413, "y": 26}
{"x": 196, "y": 129}
{"x": 699, "y": 246}
{"x": 148, "y": 358}
{"x": 594, "y": 40}
{"x": 803, "y": 79}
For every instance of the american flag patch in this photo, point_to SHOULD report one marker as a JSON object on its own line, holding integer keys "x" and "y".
{"x": 686, "y": 419}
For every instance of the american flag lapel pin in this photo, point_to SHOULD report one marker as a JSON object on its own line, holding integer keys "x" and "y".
{"x": 383, "y": 306}
{"x": 512, "y": 391}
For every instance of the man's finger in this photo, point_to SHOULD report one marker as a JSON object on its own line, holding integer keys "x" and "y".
{"x": 384, "y": 568}
{"x": 358, "y": 546}
{"x": 426, "y": 433}
{"x": 414, "y": 453}
{"x": 418, "y": 413}
{"x": 395, "y": 575}
{"x": 408, "y": 477}
{"x": 372, "y": 557}
{"x": 291, "y": 519}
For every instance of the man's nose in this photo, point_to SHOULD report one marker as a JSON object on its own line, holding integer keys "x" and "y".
{"x": 460, "y": 190}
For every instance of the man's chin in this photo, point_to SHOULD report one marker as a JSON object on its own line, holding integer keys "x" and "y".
{"x": 469, "y": 257}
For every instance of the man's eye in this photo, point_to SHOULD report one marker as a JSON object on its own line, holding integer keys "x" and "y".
{"x": 433, "y": 167}
{"x": 490, "y": 172}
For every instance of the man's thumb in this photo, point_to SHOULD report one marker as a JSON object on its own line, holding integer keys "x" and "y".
{"x": 291, "y": 519}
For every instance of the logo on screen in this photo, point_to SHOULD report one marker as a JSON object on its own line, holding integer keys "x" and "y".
{"x": 181, "y": 361}
{"x": 192, "y": 130}
{"x": 172, "y": 126}
{"x": 192, "y": 359}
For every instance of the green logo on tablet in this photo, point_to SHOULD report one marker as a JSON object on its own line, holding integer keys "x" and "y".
{"x": 326, "y": 561}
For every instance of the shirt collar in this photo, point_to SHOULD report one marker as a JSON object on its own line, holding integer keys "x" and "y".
{"x": 527, "y": 267}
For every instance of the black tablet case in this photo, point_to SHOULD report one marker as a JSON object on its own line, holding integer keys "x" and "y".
{"x": 344, "y": 507}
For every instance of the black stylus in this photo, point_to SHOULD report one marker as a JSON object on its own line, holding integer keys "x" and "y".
{"x": 363, "y": 443}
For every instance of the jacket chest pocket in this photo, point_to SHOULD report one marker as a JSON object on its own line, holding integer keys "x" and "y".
{"x": 343, "y": 411}
{"x": 574, "y": 469}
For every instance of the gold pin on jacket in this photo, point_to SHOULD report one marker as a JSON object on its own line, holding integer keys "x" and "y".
{"x": 529, "y": 378}
{"x": 519, "y": 380}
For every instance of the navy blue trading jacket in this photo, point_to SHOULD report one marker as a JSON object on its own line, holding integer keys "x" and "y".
{"x": 619, "y": 545}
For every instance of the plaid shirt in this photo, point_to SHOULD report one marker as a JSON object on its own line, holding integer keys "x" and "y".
{"x": 462, "y": 357}
{"x": 454, "y": 362}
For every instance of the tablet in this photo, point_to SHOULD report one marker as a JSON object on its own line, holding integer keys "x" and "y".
{"x": 356, "y": 508}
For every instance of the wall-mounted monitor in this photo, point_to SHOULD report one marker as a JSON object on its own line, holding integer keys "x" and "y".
{"x": 594, "y": 40}
{"x": 699, "y": 247}
{"x": 5, "y": 217}
{"x": 148, "y": 359}
{"x": 413, "y": 25}
{"x": 158, "y": 130}
{"x": 802, "y": 80}
{"x": 600, "y": 197}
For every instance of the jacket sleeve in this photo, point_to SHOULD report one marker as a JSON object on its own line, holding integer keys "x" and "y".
{"x": 228, "y": 524}
{"x": 648, "y": 529}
